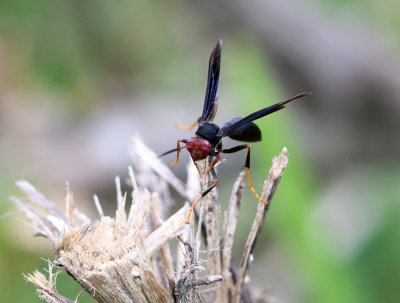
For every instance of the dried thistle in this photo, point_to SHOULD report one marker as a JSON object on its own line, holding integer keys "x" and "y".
{"x": 129, "y": 258}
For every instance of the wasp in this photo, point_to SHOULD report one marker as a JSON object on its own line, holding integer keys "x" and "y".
{"x": 208, "y": 137}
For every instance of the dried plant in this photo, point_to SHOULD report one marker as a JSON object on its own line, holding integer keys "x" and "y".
{"x": 129, "y": 258}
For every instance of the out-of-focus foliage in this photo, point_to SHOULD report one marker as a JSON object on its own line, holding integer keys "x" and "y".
{"x": 291, "y": 208}
{"x": 85, "y": 49}
{"x": 381, "y": 14}
{"x": 82, "y": 57}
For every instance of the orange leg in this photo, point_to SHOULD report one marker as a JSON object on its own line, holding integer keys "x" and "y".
{"x": 197, "y": 201}
{"x": 248, "y": 170}
{"x": 247, "y": 165}
{"x": 254, "y": 192}
{"x": 186, "y": 127}
{"x": 197, "y": 167}
{"x": 177, "y": 152}
{"x": 210, "y": 168}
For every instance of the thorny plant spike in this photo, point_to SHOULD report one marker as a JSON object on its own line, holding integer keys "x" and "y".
{"x": 129, "y": 258}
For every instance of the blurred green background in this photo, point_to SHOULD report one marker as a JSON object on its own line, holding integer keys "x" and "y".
{"x": 78, "y": 78}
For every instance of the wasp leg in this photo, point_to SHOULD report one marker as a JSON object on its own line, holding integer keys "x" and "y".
{"x": 209, "y": 169}
{"x": 214, "y": 174}
{"x": 197, "y": 167}
{"x": 182, "y": 126}
{"x": 178, "y": 150}
{"x": 247, "y": 165}
{"x": 203, "y": 194}
{"x": 212, "y": 163}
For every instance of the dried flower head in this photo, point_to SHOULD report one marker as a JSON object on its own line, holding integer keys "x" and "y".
{"x": 128, "y": 258}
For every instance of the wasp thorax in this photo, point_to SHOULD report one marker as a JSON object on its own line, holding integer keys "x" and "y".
{"x": 210, "y": 132}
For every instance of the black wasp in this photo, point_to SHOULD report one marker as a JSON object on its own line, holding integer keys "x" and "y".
{"x": 207, "y": 142}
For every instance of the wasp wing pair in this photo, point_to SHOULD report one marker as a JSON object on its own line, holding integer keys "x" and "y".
{"x": 207, "y": 142}
{"x": 241, "y": 129}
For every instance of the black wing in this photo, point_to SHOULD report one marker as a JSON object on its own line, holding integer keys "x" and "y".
{"x": 212, "y": 83}
{"x": 247, "y": 133}
{"x": 229, "y": 129}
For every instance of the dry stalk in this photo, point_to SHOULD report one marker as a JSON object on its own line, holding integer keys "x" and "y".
{"x": 129, "y": 259}
{"x": 270, "y": 188}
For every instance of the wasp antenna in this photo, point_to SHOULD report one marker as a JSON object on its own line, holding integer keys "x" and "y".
{"x": 171, "y": 151}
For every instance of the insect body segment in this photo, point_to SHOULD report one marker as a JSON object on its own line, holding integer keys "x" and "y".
{"x": 198, "y": 148}
{"x": 209, "y": 132}
{"x": 208, "y": 140}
